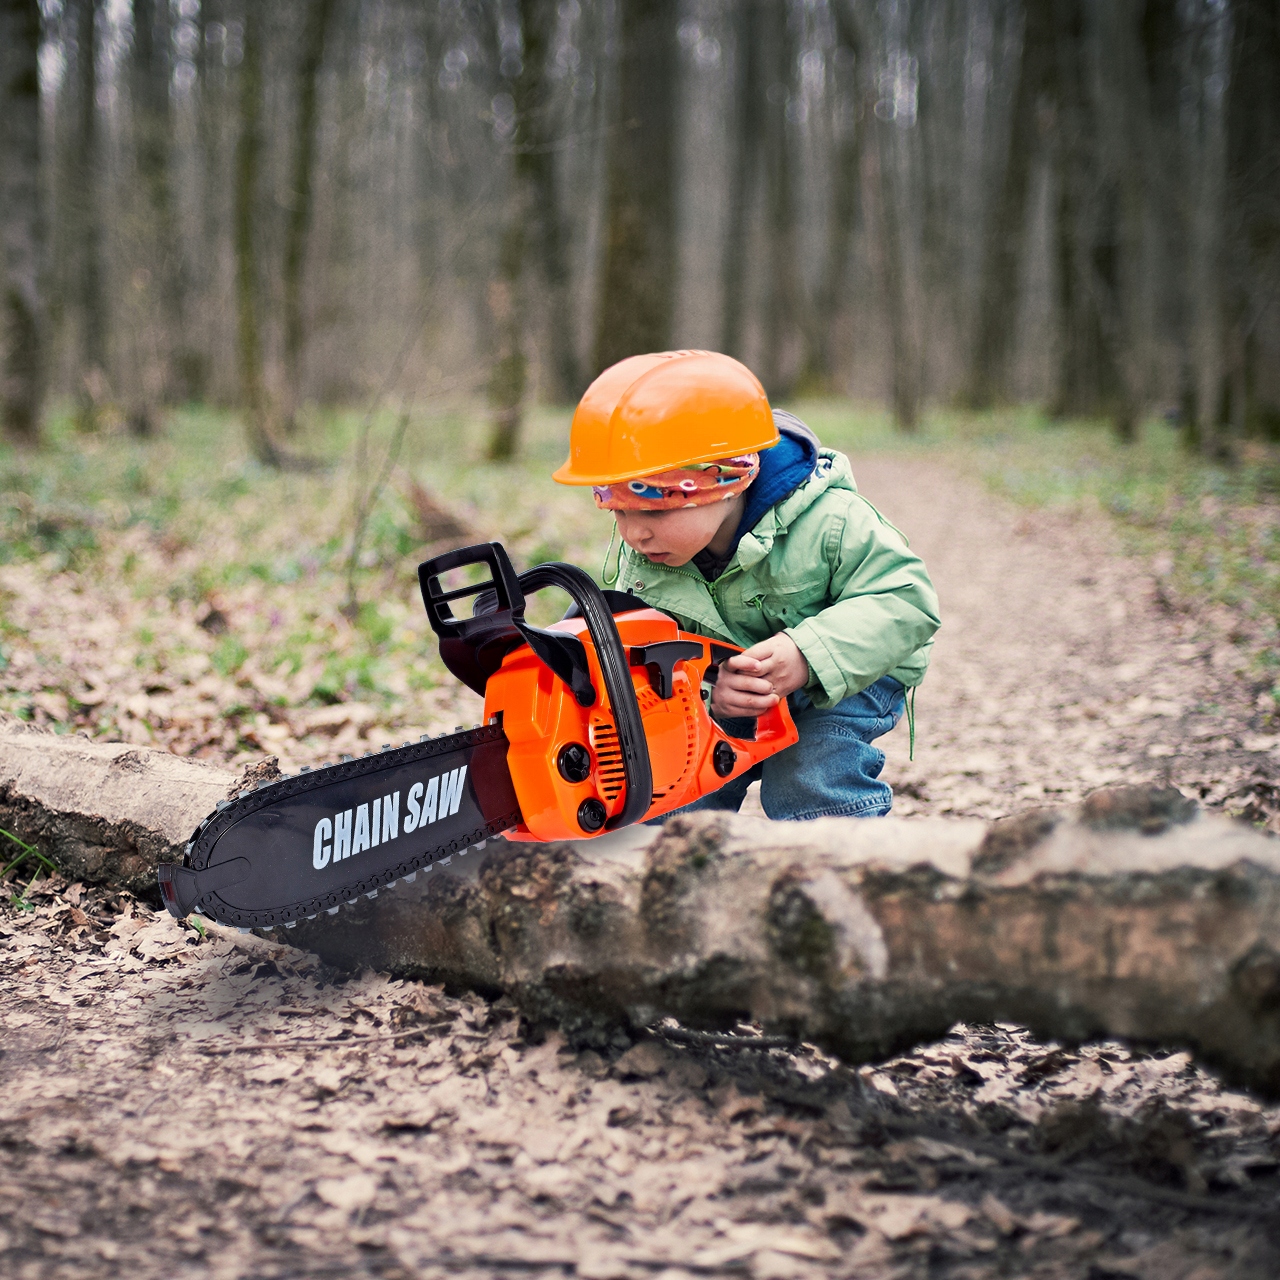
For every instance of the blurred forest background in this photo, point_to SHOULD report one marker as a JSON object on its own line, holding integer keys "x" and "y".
{"x": 1071, "y": 203}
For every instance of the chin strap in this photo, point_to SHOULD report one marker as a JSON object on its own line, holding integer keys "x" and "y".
{"x": 617, "y": 562}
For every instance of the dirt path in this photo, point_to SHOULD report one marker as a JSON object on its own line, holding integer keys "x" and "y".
{"x": 1057, "y": 669}
{"x": 222, "y": 1107}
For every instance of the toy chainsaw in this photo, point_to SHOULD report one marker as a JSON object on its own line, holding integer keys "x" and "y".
{"x": 591, "y": 724}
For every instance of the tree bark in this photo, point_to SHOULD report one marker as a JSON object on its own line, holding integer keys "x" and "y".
{"x": 987, "y": 382}
{"x": 1089, "y": 235}
{"x": 297, "y": 229}
{"x": 103, "y": 812}
{"x": 21, "y": 222}
{"x": 867, "y": 937}
{"x": 1252, "y": 278}
{"x": 830, "y": 306}
{"x": 779, "y": 363}
{"x": 893, "y": 217}
{"x": 93, "y": 380}
{"x": 536, "y": 162}
{"x": 253, "y": 391}
{"x": 637, "y": 298}
{"x": 161, "y": 378}
{"x": 1129, "y": 915}
{"x": 532, "y": 220}
{"x": 748, "y": 132}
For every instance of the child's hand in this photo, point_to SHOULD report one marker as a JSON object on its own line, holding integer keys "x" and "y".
{"x": 758, "y": 678}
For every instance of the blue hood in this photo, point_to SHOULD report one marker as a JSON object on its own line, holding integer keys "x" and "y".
{"x": 783, "y": 469}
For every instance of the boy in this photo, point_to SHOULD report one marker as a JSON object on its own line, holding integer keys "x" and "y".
{"x": 737, "y": 523}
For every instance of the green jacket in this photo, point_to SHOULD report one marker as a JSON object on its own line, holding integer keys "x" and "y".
{"x": 822, "y": 565}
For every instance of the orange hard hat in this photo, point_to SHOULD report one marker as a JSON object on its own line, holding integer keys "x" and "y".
{"x": 654, "y": 413}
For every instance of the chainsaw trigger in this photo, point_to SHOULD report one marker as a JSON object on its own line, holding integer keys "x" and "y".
{"x": 659, "y": 660}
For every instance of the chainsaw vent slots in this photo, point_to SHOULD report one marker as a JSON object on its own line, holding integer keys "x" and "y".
{"x": 604, "y": 741}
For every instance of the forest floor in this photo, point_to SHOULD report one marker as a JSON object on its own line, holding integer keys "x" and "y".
{"x": 223, "y": 1106}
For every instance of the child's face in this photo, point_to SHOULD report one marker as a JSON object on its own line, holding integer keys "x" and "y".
{"x": 675, "y": 537}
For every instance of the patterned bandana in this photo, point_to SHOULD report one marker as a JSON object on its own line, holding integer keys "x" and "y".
{"x": 692, "y": 486}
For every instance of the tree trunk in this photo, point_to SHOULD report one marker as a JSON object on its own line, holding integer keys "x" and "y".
{"x": 1090, "y": 232}
{"x": 987, "y": 381}
{"x": 779, "y": 363}
{"x": 1251, "y": 280}
{"x": 298, "y": 227}
{"x": 153, "y": 144}
{"x": 747, "y": 133}
{"x": 536, "y": 161}
{"x": 532, "y": 214}
{"x": 253, "y": 392}
{"x": 831, "y": 304}
{"x": 893, "y": 218}
{"x": 637, "y": 298}
{"x": 21, "y": 224}
{"x": 92, "y": 380}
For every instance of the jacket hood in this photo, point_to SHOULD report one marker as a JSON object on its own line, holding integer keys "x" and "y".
{"x": 830, "y": 470}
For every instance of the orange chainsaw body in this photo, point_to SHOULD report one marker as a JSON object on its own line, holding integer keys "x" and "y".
{"x": 542, "y": 719}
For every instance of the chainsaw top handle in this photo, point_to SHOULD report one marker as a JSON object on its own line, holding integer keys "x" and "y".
{"x": 473, "y": 648}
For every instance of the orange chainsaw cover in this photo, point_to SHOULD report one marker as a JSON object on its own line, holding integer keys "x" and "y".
{"x": 541, "y": 717}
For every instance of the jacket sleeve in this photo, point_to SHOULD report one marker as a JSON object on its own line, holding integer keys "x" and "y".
{"x": 883, "y": 609}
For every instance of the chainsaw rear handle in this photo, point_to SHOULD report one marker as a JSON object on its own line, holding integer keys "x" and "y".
{"x": 772, "y": 726}
{"x": 473, "y": 648}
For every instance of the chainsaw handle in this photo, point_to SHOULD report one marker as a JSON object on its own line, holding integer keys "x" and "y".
{"x": 615, "y": 668}
{"x": 504, "y": 583}
{"x": 774, "y": 726}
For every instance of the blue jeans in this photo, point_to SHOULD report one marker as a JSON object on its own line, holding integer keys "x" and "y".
{"x": 832, "y": 771}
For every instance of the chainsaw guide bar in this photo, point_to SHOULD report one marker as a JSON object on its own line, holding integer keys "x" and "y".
{"x": 424, "y": 804}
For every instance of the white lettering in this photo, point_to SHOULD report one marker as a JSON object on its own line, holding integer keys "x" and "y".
{"x": 429, "y": 804}
{"x": 321, "y": 850}
{"x": 412, "y": 812}
{"x": 390, "y": 816}
{"x": 375, "y": 829}
{"x": 360, "y": 841}
{"x": 341, "y": 836}
{"x": 451, "y": 792}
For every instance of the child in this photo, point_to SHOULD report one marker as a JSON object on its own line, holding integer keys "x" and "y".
{"x": 737, "y": 523}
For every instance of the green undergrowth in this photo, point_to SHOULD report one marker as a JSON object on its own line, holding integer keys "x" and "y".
{"x": 189, "y": 518}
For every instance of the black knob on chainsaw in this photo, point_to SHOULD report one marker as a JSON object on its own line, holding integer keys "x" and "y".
{"x": 724, "y": 758}
{"x": 591, "y": 815}
{"x": 574, "y": 762}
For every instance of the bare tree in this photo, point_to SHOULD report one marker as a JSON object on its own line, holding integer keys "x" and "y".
{"x": 150, "y": 67}
{"x": 986, "y": 382}
{"x": 318, "y": 16}
{"x": 20, "y": 218}
{"x": 1250, "y": 400}
{"x": 532, "y": 221}
{"x": 780, "y": 355}
{"x": 831, "y": 301}
{"x": 86, "y": 216}
{"x": 894, "y": 195}
{"x": 747, "y": 133}
{"x": 248, "y": 327}
{"x": 637, "y": 295}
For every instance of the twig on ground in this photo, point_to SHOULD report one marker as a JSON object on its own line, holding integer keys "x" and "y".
{"x": 222, "y": 1051}
{"x": 724, "y": 1040}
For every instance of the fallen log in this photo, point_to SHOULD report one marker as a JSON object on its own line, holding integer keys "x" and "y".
{"x": 104, "y": 812}
{"x": 1131, "y": 915}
